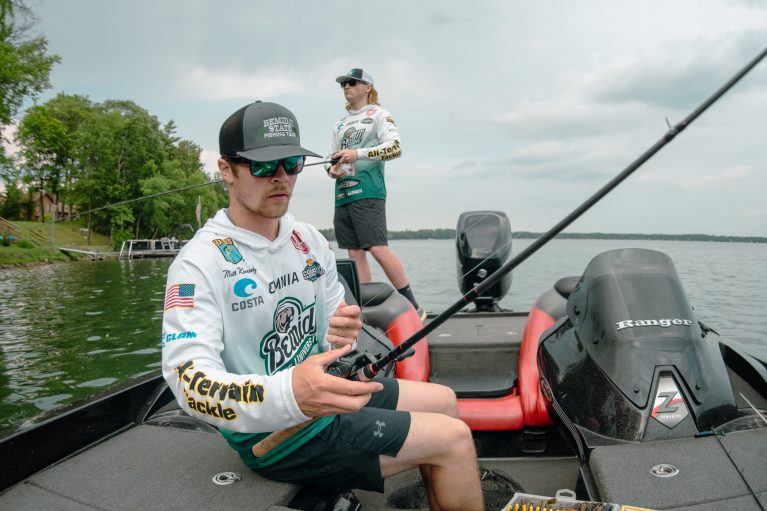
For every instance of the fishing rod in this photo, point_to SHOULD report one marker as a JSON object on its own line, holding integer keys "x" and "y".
{"x": 215, "y": 181}
{"x": 361, "y": 367}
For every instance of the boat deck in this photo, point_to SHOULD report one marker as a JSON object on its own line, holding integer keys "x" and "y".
{"x": 170, "y": 460}
{"x": 153, "y": 467}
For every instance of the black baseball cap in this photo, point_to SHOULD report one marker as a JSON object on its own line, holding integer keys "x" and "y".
{"x": 262, "y": 131}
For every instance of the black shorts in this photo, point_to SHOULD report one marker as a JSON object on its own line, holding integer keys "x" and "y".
{"x": 361, "y": 224}
{"x": 345, "y": 454}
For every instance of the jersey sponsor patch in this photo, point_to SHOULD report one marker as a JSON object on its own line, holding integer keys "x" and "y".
{"x": 367, "y": 120}
{"x": 245, "y": 287}
{"x": 299, "y": 243}
{"x": 347, "y": 183}
{"x": 352, "y": 137}
{"x": 313, "y": 270}
{"x": 227, "y": 248}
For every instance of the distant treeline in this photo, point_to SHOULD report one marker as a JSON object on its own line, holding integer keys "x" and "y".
{"x": 446, "y": 234}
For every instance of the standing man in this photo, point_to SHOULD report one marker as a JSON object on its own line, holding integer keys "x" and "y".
{"x": 254, "y": 313}
{"x": 362, "y": 141}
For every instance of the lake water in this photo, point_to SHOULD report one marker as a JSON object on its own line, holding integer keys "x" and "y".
{"x": 70, "y": 331}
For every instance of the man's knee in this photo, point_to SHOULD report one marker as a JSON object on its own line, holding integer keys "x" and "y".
{"x": 379, "y": 250}
{"x": 458, "y": 440}
{"x": 447, "y": 400}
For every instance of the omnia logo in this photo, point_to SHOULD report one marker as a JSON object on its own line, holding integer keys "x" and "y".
{"x": 664, "y": 323}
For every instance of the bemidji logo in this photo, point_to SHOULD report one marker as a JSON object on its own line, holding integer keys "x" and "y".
{"x": 293, "y": 337}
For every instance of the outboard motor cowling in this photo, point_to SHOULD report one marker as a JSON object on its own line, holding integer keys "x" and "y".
{"x": 629, "y": 362}
{"x": 483, "y": 241}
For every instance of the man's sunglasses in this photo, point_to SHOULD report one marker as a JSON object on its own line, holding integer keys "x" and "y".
{"x": 351, "y": 82}
{"x": 292, "y": 165}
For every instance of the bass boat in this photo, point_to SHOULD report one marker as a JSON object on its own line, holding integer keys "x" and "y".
{"x": 609, "y": 387}
{"x": 610, "y": 394}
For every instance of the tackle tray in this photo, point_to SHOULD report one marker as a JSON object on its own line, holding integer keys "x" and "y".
{"x": 563, "y": 501}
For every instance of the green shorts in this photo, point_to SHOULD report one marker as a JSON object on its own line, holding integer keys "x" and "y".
{"x": 361, "y": 224}
{"x": 345, "y": 454}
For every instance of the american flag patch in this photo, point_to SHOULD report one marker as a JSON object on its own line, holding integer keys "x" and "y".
{"x": 179, "y": 295}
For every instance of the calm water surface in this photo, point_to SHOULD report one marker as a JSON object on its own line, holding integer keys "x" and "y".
{"x": 71, "y": 331}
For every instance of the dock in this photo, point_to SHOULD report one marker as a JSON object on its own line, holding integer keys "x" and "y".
{"x": 164, "y": 247}
{"x": 90, "y": 254}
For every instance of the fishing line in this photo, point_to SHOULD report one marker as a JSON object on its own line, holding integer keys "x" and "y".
{"x": 368, "y": 371}
{"x": 215, "y": 181}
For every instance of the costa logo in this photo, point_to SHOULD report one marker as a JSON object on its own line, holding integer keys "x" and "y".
{"x": 245, "y": 287}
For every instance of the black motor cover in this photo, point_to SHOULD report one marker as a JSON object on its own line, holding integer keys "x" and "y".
{"x": 483, "y": 241}
{"x": 629, "y": 361}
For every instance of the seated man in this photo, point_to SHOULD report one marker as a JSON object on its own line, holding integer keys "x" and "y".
{"x": 254, "y": 313}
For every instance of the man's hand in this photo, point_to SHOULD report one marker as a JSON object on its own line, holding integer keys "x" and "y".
{"x": 320, "y": 394}
{"x": 344, "y": 326}
{"x": 343, "y": 156}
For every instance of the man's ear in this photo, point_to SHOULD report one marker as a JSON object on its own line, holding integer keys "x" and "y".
{"x": 227, "y": 172}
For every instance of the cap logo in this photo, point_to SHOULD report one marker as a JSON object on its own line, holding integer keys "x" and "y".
{"x": 278, "y": 127}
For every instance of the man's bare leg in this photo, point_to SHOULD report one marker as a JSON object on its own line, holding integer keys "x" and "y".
{"x": 427, "y": 397}
{"x": 445, "y": 444}
{"x": 391, "y": 265}
{"x": 363, "y": 267}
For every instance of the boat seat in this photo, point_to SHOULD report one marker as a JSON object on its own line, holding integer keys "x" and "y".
{"x": 375, "y": 293}
{"x": 546, "y": 310}
{"x": 566, "y": 285}
{"x": 478, "y": 385}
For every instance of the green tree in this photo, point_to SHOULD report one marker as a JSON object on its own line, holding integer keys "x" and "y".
{"x": 41, "y": 137}
{"x": 11, "y": 208}
{"x": 24, "y": 63}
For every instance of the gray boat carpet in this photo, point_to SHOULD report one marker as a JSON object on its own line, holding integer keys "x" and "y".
{"x": 714, "y": 473}
{"x": 150, "y": 467}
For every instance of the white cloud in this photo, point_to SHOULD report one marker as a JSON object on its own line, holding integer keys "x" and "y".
{"x": 209, "y": 159}
{"x": 211, "y": 84}
{"x": 8, "y": 132}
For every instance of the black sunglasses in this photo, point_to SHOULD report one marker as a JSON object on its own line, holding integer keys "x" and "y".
{"x": 351, "y": 81}
{"x": 292, "y": 165}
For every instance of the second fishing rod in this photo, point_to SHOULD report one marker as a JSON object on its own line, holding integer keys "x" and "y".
{"x": 362, "y": 367}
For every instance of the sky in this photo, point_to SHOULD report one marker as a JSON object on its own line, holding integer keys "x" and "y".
{"x": 526, "y": 107}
